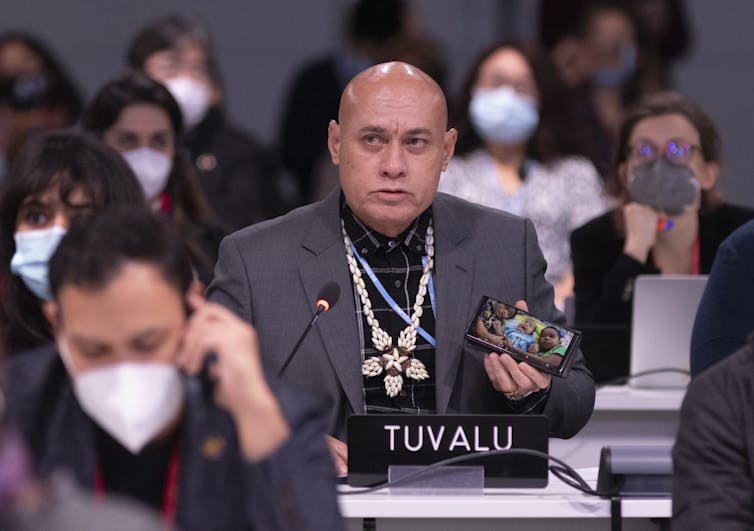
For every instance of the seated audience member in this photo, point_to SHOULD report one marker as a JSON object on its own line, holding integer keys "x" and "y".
{"x": 36, "y": 94}
{"x": 513, "y": 153}
{"x": 725, "y": 317}
{"x": 312, "y": 99}
{"x": 385, "y": 234}
{"x": 242, "y": 180}
{"x": 713, "y": 476}
{"x": 671, "y": 218}
{"x": 58, "y": 176}
{"x": 222, "y": 448}
{"x": 595, "y": 46}
{"x": 140, "y": 119}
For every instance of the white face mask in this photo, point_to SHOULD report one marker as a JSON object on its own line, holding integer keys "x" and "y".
{"x": 132, "y": 401}
{"x": 151, "y": 168}
{"x": 193, "y": 98}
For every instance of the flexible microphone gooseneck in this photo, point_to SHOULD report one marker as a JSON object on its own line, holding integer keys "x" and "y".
{"x": 326, "y": 299}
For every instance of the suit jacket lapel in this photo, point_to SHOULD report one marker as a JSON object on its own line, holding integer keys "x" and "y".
{"x": 453, "y": 278}
{"x": 338, "y": 329}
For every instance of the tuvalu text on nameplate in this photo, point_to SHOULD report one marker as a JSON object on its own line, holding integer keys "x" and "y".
{"x": 375, "y": 442}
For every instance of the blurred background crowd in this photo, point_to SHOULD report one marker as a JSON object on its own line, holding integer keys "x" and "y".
{"x": 596, "y": 119}
{"x": 221, "y": 111}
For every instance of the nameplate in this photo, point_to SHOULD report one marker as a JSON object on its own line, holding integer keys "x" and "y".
{"x": 376, "y": 442}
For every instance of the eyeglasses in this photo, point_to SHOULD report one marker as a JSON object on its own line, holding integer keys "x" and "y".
{"x": 676, "y": 152}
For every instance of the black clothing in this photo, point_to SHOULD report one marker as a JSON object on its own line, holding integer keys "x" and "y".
{"x": 204, "y": 247}
{"x": 397, "y": 263}
{"x": 604, "y": 275}
{"x": 141, "y": 476}
{"x": 242, "y": 181}
{"x": 604, "y": 279}
{"x": 713, "y": 457}
{"x": 313, "y": 101}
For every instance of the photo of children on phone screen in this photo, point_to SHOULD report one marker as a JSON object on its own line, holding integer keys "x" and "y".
{"x": 518, "y": 332}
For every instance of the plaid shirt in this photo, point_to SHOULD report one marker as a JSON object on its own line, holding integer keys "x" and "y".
{"x": 397, "y": 263}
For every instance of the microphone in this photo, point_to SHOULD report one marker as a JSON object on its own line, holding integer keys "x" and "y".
{"x": 326, "y": 299}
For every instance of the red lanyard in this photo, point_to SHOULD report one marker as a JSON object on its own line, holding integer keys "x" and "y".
{"x": 169, "y": 491}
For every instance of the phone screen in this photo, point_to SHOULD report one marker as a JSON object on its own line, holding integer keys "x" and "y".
{"x": 501, "y": 327}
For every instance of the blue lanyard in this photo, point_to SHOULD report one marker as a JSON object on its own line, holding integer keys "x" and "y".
{"x": 391, "y": 302}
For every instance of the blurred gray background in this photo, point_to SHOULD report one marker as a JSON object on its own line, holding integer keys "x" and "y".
{"x": 261, "y": 44}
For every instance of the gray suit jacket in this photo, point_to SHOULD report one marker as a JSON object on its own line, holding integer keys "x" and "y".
{"x": 270, "y": 275}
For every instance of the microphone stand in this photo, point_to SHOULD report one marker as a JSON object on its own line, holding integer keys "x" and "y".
{"x": 320, "y": 308}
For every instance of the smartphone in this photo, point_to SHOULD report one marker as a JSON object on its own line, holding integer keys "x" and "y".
{"x": 501, "y": 327}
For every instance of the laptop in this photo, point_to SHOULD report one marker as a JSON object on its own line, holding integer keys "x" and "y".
{"x": 664, "y": 309}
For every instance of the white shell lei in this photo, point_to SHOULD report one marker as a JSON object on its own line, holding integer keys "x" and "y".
{"x": 397, "y": 360}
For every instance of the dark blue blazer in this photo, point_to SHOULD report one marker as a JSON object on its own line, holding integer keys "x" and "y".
{"x": 726, "y": 312}
{"x": 291, "y": 489}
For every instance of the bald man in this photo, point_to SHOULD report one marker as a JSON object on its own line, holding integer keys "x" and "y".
{"x": 411, "y": 265}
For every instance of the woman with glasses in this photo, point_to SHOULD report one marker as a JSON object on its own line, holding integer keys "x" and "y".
{"x": 671, "y": 218}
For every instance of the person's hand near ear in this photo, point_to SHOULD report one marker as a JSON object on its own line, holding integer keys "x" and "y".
{"x": 239, "y": 382}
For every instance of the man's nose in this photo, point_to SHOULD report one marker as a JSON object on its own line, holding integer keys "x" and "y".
{"x": 394, "y": 162}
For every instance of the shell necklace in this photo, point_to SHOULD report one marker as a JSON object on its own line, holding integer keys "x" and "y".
{"x": 397, "y": 360}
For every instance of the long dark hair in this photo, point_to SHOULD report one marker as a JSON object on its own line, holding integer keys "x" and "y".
{"x": 556, "y": 134}
{"x": 136, "y": 87}
{"x": 188, "y": 204}
{"x": 69, "y": 161}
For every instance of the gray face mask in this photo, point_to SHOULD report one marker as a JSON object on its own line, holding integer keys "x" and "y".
{"x": 665, "y": 186}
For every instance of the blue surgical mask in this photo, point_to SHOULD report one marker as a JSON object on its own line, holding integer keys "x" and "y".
{"x": 616, "y": 75}
{"x": 31, "y": 259}
{"x": 503, "y": 115}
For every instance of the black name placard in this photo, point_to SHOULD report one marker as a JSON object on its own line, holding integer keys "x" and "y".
{"x": 376, "y": 442}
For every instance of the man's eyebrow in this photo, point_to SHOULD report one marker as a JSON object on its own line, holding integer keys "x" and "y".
{"x": 80, "y": 339}
{"x": 373, "y": 129}
{"x": 382, "y": 130}
{"x": 419, "y": 131}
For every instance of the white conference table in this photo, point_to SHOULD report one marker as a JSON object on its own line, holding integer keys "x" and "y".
{"x": 556, "y": 507}
{"x": 623, "y": 415}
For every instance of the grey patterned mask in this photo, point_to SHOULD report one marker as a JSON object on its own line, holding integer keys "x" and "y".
{"x": 665, "y": 186}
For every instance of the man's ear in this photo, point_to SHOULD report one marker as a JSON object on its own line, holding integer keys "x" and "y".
{"x": 52, "y": 313}
{"x": 333, "y": 141}
{"x": 449, "y": 146}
